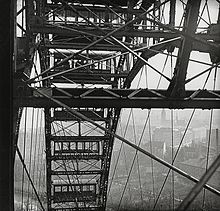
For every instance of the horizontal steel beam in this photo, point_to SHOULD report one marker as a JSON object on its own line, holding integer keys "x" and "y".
{"x": 83, "y": 56}
{"x": 87, "y": 77}
{"x": 76, "y": 156}
{"x": 68, "y": 80}
{"x": 92, "y": 73}
{"x": 90, "y": 208}
{"x": 95, "y": 9}
{"x": 98, "y": 2}
{"x": 76, "y": 172}
{"x": 78, "y": 138}
{"x": 53, "y": 29}
{"x": 120, "y": 98}
{"x": 78, "y": 46}
{"x": 196, "y": 46}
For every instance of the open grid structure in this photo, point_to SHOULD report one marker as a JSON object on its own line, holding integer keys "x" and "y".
{"x": 77, "y": 64}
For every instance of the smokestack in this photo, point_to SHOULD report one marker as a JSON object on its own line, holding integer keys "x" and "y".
{"x": 217, "y": 141}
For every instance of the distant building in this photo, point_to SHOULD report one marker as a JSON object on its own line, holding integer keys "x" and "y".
{"x": 199, "y": 133}
{"x": 164, "y": 120}
{"x": 214, "y": 137}
{"x": 197, "y": 167}
{"x": 158, "y": 148}
{"x": 164, "y": 134}
{"x": 180, "y": 122}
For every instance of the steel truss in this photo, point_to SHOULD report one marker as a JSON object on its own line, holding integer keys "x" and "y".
{"x": 122, "y": 98}
{"x": 90, "y": 44}
{"x": 77, "y": 165}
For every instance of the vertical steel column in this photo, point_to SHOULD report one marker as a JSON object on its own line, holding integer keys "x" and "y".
{"x": 217, "y": 141}
{"x": 172, "y": 12}
{"x": 17, "y": 113}
{"x": 48, "y": 156}
{"x": 115, "y": 114}
{"x": 218, "y": 20}
{"x": 177, "y": 86}
{"x": 6, "y": 122}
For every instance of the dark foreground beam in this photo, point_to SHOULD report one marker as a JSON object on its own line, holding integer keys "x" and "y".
{"x": 123, "y": 98}
{"x": 6, "y": 111}
{"x": 199, "y": 186}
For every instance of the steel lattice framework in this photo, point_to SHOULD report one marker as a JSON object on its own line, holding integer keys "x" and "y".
{"x": 90, "y": 52}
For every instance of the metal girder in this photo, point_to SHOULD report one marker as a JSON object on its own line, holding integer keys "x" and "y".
{"x": 17, "y": 112}
{"x": 78, "y": 46}
{"x": 29, "y": 38}
{"x": 76, "y": 172}
{"x": 147, "y": 54}
{"x": 196, "y": 46}
{"x": 108, "y": 148}
{"x": 92, "y": 76}
{"x": 97, "y": 8}
{"x": 95, "y": 208}
{"x": 177, "y": 85}
{"x": 29, "y": 178}
{"x": 89, "y": 64}
{"x": 110, "y": 35}
{"x": 198, "y": 187}
{"x": 99, "y": 2}
{"x": 100, "y": 39}
{"x": 6, "y": 110}
{"x": 48, "y": 155}
{"x": 64, "y": 80}
{"x": 74, "y": 149}
{"x": 53, "y": 29}
{"x": 122, "y": 98}
{"x": 108, "y": 98}
{"x": 77, "y": 157}
{"x": 113, "y": 134}
{"x": 172, "y": 12}
{"x": 84, "y": 56}
{"x": 79, "y": 138}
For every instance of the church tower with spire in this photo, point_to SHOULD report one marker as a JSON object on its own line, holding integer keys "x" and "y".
{"x": 163, "y": 118}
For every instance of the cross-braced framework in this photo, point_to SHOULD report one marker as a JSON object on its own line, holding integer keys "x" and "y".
{"x": 79, "y": 64}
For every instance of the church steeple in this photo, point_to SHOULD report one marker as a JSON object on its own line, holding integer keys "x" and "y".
{"x": 163, "y": 117}
{"x": 177, "y": 119}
